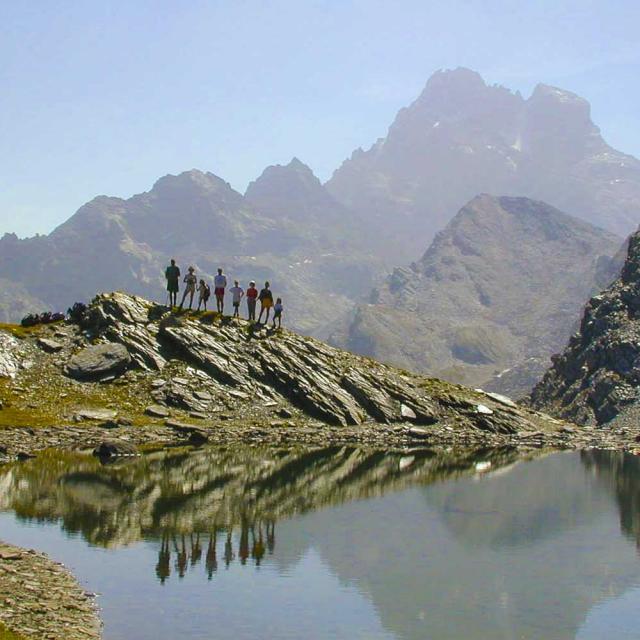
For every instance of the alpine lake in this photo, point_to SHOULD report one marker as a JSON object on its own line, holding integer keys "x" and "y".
{"x": 341, "y": 542}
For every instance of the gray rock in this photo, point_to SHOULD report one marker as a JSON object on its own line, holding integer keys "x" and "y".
{"x": 50, "y": 346}
{"x": 418, "y": 433}
{"x": 498, "y": 397}
{"x": 157, "y": 411}
{"x": 99, "y": 361}
{"x": 95, "y": 414}
{"x": 407, "y": 413}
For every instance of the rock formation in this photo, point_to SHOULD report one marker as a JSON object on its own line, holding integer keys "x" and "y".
{"x": 499, "y": 289}
{"x": 462, "y": 137}
{"x": 595, "y": 379}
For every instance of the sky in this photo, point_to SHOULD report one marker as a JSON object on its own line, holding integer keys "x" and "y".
{"x": 106, "y": 97}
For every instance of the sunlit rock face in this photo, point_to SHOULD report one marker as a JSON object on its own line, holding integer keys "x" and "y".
{"x": 462, "y": 137}
{"x": 595, "y": 379}
{"x": 497, "y": 292}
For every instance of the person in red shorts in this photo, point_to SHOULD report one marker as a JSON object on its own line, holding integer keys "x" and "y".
{"x": 252, "y": 296}
{"x": 220, "y": 284}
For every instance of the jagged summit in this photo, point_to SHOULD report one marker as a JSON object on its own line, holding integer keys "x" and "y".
{"x": 596, "y": 378}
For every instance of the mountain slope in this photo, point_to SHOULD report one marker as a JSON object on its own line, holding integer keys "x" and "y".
{"x": 462, "y": 137}
{"x": 596, "y": 378}
{"x": 501, "y": 284}
{"x": 199, "y": 219}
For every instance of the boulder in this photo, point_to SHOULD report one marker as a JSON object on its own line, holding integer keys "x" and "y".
{"x": 95, "y": 414}
{"x": 48, "y": 345}
{"x": 99, "y": 361}
{"x": 157, "y": 411}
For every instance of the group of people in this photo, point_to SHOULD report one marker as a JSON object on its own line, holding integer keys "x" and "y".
{"x": 172, "y": 274}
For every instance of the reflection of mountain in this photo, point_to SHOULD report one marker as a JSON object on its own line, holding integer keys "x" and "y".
{"x": 180, "y": 492}
{"x": 521, "y": 553}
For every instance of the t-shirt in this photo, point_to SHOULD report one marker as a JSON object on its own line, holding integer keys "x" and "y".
{"x": 204, "y": 291}
{"x": 266, "y": 294}
{"x": 220, "y": 281}
{"x": 191, "y": 281}
{"x": 278, "y": 307}
{"x": 237, "y": 293}
{"x": 172, "y": 272}
{"x": 252, "y": 292}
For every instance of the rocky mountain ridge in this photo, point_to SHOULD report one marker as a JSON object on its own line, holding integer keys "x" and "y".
{"x": 595, "y": 380}
{"x": 498, "y": 289}
{"x": 462, "y": 137}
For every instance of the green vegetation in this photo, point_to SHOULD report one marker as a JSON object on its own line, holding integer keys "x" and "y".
{"x": 6, "y": 634}
{"x": 18, "y": 331}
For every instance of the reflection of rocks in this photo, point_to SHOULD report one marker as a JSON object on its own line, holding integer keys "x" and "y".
{"x": 182, "y": 493}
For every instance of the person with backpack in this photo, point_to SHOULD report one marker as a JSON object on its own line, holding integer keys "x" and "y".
{"x": 220, "y": 284}
{"x": 277, "y": 313}
{"x": 237, "y": 292}
{"x": 172, "y": 274}
{"x": 266, "y": 302}
{"x": 190, "y": 280}
{"x": 205, "y": 292}
{"x": 252, "y": 296}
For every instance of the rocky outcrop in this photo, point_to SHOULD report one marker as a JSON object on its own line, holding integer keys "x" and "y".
{"x": 596, "y": 379}
{"x": 462, "y": 137}
{"x": 251, "y": 362}
{"x": 496, "y": 294}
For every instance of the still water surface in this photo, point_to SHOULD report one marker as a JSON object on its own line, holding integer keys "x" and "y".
{"x": 341, "y": 542}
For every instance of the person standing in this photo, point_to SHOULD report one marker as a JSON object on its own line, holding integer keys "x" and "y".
{"x": 266, "y": 302}
{"x": 277, "y": 313}
{"x": 252, "y": 296}
{"x": 205, "y": 293}
{"x": 191, "y": 281}
{"x": 220, "y": 284}
{"x": 237, "y": 292}
{"x": 172, "y": 274}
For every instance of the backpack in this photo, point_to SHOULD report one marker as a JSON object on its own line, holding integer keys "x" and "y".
{"x": 207, "y": 292}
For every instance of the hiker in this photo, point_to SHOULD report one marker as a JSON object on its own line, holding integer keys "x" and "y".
{"x": 277, "y": 313}
{"x": 191, "y": 281}
{"x": 266, "y": 302}
{"x": 205, "y": 292}
{"x": 237, "y": 292}
{"x": 252, "y": 295}
{"x": 220, "y": 284}
{"x": 172, "y": 274}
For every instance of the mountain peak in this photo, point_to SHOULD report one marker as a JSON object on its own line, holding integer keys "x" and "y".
{"x": 190, "y": 179}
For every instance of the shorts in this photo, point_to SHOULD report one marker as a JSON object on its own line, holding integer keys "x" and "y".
{"x": 266, "y": 303}
{"x": 236, "y": 303}
{"x": 219, "y": 292}
{"x": 172, "y": 286}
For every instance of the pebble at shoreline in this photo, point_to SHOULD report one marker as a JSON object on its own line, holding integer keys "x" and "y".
{"x": 41, "y": 599}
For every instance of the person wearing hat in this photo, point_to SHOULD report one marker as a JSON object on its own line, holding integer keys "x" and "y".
{"x": 191, "y": 281}
{"x": 252, "y": 296}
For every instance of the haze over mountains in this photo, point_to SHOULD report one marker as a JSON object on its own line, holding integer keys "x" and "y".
{"x": 325, "y": 247}
{"x": 503, "y": 283}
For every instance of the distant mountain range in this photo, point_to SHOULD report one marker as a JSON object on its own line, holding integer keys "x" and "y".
{"x": 325, "y": 247}
{"x": 500, "y": 286}
{"x": 461, "y": 138}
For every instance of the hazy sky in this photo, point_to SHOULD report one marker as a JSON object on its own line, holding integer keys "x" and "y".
{"x": 105, "y": 97}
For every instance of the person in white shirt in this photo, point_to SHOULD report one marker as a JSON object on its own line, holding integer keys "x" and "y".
{"x": 238, "y": 293}
{"x": 220, "y": 284}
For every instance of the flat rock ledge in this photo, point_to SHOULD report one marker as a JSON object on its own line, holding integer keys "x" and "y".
{"x": 41, "y": 599}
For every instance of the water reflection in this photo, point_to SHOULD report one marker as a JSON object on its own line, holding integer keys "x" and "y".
{"x": 425, "y": 544}
{"x": 227, "y": 498}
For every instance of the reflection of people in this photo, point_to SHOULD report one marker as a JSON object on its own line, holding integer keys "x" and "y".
{"x": 211, "y": 561}
{"x": 228, "y": 549}
{"x": 271, "y": 537}
{"x": 172, "y": 274}
{"x": 257, "y": 551}
{"x": 243, "y": 545}
{"x": 196, "y": 550}
{"x": 181, "y": 557}
{"x": 163, "y": 568}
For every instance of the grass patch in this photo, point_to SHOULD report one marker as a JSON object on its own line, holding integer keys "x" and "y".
{"x": 18, "y": 331}
{"x": 7, "y": 634}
